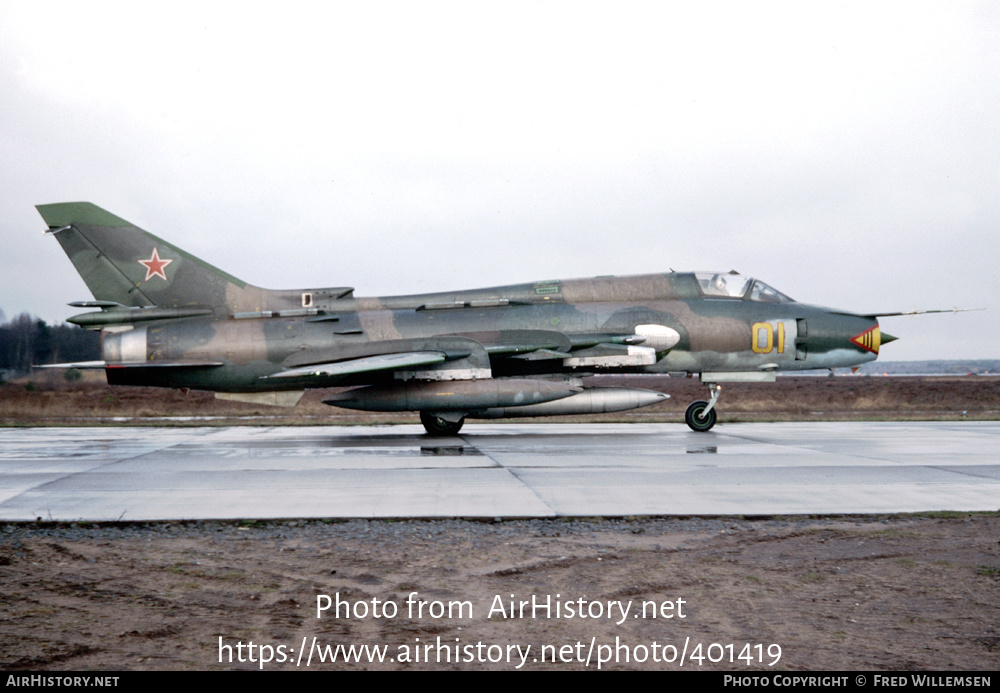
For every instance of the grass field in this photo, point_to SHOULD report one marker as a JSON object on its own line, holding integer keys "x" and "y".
{"x": 49, "y": 400}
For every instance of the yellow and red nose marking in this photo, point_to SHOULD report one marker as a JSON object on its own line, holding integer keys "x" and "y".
{"x": 869, "y": 340}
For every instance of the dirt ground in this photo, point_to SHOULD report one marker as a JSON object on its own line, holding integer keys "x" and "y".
{"x": 763, "y": 594}
{"x": 50, "y": 401}
{"x": 735, "y": 594}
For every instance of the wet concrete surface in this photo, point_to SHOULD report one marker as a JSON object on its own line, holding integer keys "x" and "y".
{"x": 497, "y": 470}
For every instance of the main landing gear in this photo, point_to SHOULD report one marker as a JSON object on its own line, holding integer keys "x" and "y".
{"x": 435, "y": 425}
{"x": 701, "y": 415}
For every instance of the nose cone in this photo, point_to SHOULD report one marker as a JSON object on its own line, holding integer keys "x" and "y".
{"x": 869, "y": 340}
{"x": 872, "y": 338}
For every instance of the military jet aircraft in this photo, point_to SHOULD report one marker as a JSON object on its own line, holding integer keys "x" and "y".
{"x": 169, "y": 319}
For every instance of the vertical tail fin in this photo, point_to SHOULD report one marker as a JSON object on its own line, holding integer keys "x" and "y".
{"x": 124, "y": 264}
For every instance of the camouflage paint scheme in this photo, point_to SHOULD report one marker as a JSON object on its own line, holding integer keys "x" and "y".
{"x": 169, "y": 319}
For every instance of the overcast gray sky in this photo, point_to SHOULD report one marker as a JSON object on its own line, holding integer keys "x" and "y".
{"x": 846, "y": 153}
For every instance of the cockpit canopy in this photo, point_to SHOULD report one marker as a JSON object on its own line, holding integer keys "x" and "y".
{"x": 734, "y": 285}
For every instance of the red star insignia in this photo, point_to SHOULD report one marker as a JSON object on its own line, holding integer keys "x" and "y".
{"x": 154, "y": 266}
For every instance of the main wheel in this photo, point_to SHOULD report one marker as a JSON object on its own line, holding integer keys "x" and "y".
{"x": 436, "y": 426}
{"x": 696, "y": 419}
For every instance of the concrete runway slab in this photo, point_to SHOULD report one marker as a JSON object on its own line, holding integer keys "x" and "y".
{"x": 497, "y": 470}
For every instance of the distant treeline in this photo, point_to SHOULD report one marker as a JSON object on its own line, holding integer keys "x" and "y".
{"x": 933, "y": 367}
{"x": 26, "y": 341}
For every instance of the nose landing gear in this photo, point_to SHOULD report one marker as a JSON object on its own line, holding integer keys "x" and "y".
{"x": 700, "y": 416}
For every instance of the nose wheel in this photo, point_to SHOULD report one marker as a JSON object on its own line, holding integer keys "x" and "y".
{"x": 701, "y": 416}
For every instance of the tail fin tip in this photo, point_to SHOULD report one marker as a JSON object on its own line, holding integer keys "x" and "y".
{"x": 65, "y": 213}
